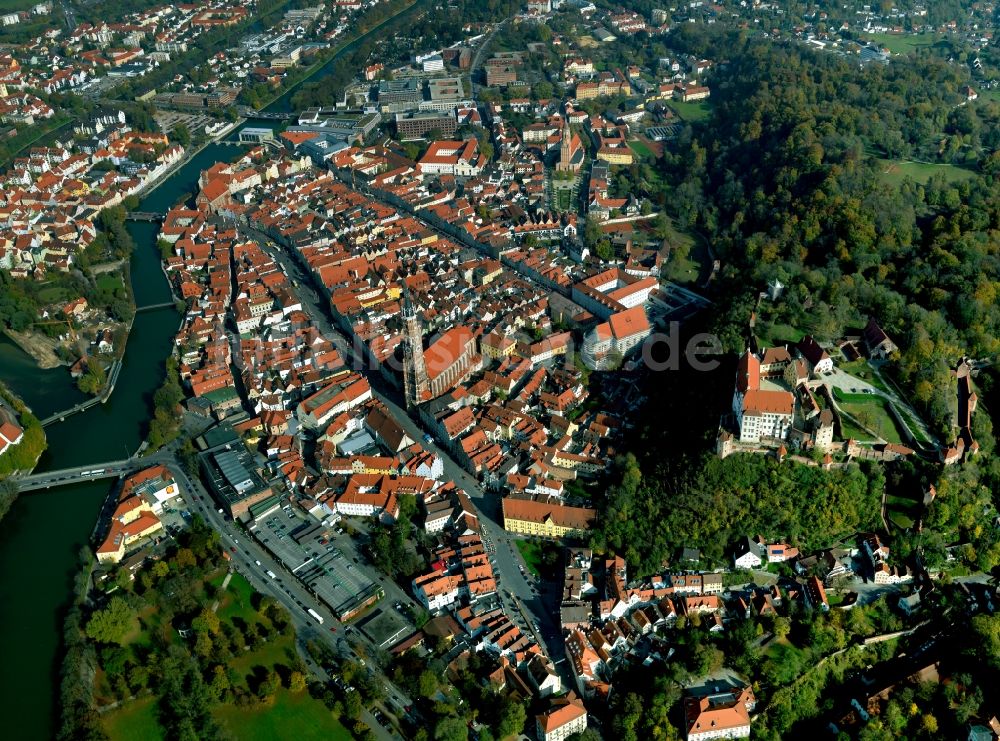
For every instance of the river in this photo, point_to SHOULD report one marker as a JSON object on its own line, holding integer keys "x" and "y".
{"x": 41, "y": 535}
{"x": 43, "y": 532}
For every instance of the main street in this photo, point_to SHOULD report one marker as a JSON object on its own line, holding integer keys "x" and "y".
{"x": 517, "y": 587}
{"x": 245, "y": 554}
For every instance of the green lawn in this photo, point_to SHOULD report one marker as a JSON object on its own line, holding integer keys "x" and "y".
{"x": 291, "y": 716}
{"x": 110, "y": 282}
{"x": 564, "y": 199}
{"x": 280, "y": 650}
{"x": 850, "y": 431}
{"x": 901, "y": 510}
{"x": 689, "y": 261}
{"x": 296, "y": 716}
{"x": 532, "y": 555}
{"x": 51, "y": 294}
{"x": 236, "y": 602}
{"x": 693, "y": 111}
{"x": 871, "y": 411}
{"x": 136, "y": 720}
{"x": 894, "y": 172}
{"x": 641, "y": 150}
{"x": 782, "y": 333}
{"x": 902, "y": 43}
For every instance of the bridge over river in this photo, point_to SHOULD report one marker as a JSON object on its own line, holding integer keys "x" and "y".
{"x": 90, "y": 472}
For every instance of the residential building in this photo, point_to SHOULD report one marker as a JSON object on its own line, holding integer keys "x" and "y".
{"x": 564, "y": 718}
{"x": 133, "y": 520}
{"x": 722, "y": 715}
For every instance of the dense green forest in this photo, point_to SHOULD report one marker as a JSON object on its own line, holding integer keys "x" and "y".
{"x": 716, "y": 501}
{"x": 784, "y": 181}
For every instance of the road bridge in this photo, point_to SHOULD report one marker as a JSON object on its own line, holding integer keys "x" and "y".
{"x": 90, "y": 472}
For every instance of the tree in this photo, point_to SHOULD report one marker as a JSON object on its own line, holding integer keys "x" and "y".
{"x": 269, "y": 684}
{"x": 451, "y": 729}
{"x": 352, "y": 704}
{"x": 207, "y": 621}
{"x": 296, "y": 681}
{"x": 427, "y": 684}
{"x": 111, "y": 624}
{"x": 92, "y": 382}
{"x": 512, "y": 719}
{"x": 181, "y": 134}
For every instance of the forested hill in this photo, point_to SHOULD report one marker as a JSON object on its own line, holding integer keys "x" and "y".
{"x": 786, "y": 179}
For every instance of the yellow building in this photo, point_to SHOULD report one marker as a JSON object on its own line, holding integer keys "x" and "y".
{"x": 132, "y": 521}
{"x": 529, "y": 517}
{"x": 496, "y": 346}
{"x": 616, "y": 155}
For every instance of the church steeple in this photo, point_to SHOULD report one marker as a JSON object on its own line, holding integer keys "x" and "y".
{"x": 566, "y": 149}
{"x": 415, "y": 383}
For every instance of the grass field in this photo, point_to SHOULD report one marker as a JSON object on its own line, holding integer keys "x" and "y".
{"x": 895, "y": 171}
{"x": 693, "y": 111}
{"x": 850, "y": 431}
{"x": 564, "y": 199}
{"x": 871, "y": 411}
{"x": 692, "y": 263}
{"x": 532, "y": 555}
{"x": 51, "y": 294}
{"x": 641, "y": 150}
{"x": 782, "y": 333}
{"x": 902, "y": 510}
{"x": 110, "y": 281}
{"x": 236, "y": 602}
{"x": 291, "y": 716}
{"x": 899, "y": 43}
{"x": 135, "y": 720}
{"x": 296, "y": 716}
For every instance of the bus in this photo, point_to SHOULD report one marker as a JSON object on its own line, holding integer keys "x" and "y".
{"x": 316, "y": 615}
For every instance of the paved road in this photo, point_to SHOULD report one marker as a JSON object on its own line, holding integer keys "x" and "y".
{"x": 90, "y": 472}
{"x": 520, "y": 592}
{"x": 245, "y": 553}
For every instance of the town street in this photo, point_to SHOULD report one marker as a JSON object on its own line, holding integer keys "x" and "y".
{"x": 517, "y": 588}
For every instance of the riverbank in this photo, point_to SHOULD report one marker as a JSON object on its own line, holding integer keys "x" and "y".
{"x": 40, "y": 347}
{"x": 23, "y": 457}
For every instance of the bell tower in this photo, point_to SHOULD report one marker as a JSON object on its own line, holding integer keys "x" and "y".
{"x": 415, "y": 384}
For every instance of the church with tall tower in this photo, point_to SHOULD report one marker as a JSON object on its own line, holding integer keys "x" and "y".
{"x": 415, "y": 382}
{"x": 570, "y": 151}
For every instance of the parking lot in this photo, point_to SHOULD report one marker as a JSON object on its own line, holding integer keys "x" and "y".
{"x": 194, "y": 121}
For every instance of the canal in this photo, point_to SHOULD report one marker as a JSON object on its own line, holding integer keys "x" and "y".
{"x": 42, "y": 534}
